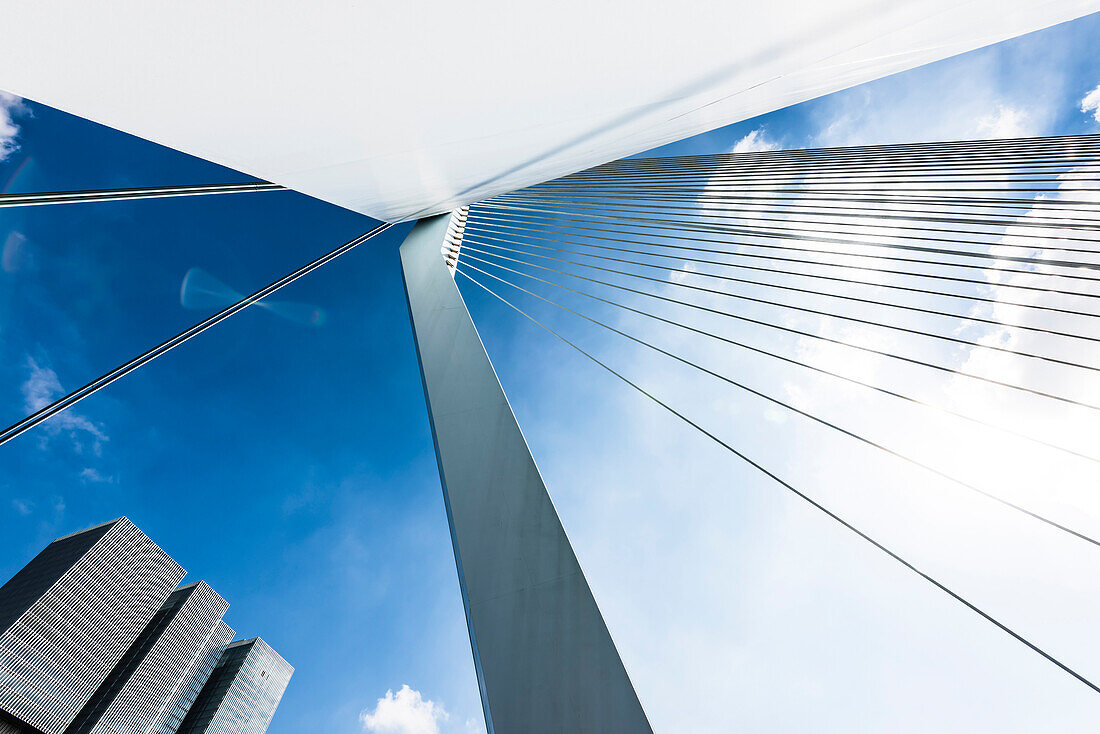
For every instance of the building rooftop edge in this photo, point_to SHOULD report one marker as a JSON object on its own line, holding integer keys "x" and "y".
{"x": 253, "y": 640}
{"x": 198, "y": 583}
{"x": 85, "y": 530}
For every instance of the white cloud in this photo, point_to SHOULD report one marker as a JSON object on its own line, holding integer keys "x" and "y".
{"x": 404, "y": 712}
{"x": 23, "y": 507}
{"x": 967, "y": 99}
{"x": 680, "y": 275}
{"x": 1006, "y": 122}
{"x": 16, "y": 253}
{"x": 90, "y": 474}
{"x": 1091, "y": 103}
{"x": 802, "y": 586}
{"x": 755, "y": 141}
{"x": 10, "y": 108}
{"x": 40, "y": 389}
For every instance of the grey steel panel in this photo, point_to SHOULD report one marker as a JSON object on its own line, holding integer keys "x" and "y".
{"x": 544, "y": 658}
{"x": 36, "y": 578}
{"x": 153, "y": 675}
{"x": 80, "y": 604}
{"x": 242, "y": 693}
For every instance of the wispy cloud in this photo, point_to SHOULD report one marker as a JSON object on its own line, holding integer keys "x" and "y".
{"x": 679, "y": 276}
{"x": 970, "y": 99}
{"x": 1091, "y": 103}
{"x": 91, "y": 474}
{"x": 755, "y": 141}
{"x": 25, "y": 508}
{"x": 404, "y": 712}
{"x": 1006, "y": 122}
{"x": 16, "y": 253}
{"x": 40, "y": 388}
{"x": 11, "y": 107}
{"x": 784, "y": 554}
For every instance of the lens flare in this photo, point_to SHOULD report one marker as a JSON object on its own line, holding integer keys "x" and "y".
{"x": 202, "y": 291}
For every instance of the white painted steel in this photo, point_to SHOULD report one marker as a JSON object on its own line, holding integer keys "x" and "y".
{"x": 544, "y": 658}
{"x": 403, "y": 109}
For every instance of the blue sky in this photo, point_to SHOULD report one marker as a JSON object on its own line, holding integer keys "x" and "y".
{"x": 290, "y": 465}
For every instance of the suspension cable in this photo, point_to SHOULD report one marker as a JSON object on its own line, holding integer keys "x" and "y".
{"x": 798, "y": 493}
{"x": 148, "y": 192}
{"x": 67, "y": 401}
{"x": 818, "y": 312}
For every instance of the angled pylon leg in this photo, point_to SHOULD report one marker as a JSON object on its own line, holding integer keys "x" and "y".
{"x": 544, "y": 659}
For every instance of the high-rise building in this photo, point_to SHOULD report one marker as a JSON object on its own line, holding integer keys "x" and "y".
{"x": 243, "y": 692}
{"x": 140, "y": 693}
{"x": 93, "y": 640}
{"x": 69, "y": 615}
{"x": 178, "y": 711}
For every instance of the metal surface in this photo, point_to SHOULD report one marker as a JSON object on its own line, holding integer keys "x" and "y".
{"x": 794, "y": 490}
{"x": 165, "y": 659}
{"x": 544, "y": 658}
{"x": 67, "y": 401}
{"x": 44, "y": 198}
{"x": 84, "y": 648}
{"x": 242, "y": 693}
{"x": 328, "y": 98}
{"x": 74, "y": 611}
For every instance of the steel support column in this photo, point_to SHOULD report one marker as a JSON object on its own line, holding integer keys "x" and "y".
{"x": 544, "y": 659}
